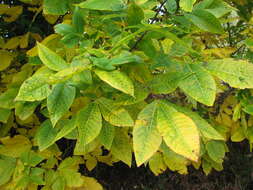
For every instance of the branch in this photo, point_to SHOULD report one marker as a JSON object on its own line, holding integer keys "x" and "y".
{"x": 151, "y": 22}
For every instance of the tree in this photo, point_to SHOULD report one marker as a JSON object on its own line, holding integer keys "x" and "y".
{"x": 169, "y": 81}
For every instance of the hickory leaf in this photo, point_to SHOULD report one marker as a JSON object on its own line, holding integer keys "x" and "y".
{"x": 50, "y": 58}
{"x": 178, "y": 131}
{"x": 117, "y": 79}
{"x": 89, "y": 123}
{"x": 146, "y": 137}
{"x": 237, "y": 73}
{"x": 187, "y": 5}
{"x": 114, "y": 114}
{"x": 112, "y": 5}
{"x": 59, "y": 101}
{"x": 198, "y": 84}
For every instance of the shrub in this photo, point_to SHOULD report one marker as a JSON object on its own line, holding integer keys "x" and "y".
{"x": 166, "y": 81}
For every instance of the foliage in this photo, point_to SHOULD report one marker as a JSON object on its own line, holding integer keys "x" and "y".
{"x": 168, "y": 81}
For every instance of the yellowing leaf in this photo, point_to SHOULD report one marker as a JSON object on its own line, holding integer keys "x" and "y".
{"x": 15, "y": 146}
{"x": 6, "y": 58}
{"x": 114, "y": 114}
{"x": 50, "y": 58}
{"x": 34, "y": 88}
{"x": 46, "y": 135}
{"x": 156, "y": 164}
{"x": 89, "y": 183}
{"x": 117, "y": 80}
{"x": 59, "y": 101}
{"x": 89, "y": 124}
{"x": 146, "y": 138}
{"x": 12, "y": 12}
{"x": 7, "y": 167}
{"x": 187, "y": 5}
{"x": 179, "y": 132}
{"x": 205, "y": 129}
{"x": 12, "y": 43}
{"x": 237, "y": 73}
{"x": 121, "y": 147}
{"x": 198, "y": 84}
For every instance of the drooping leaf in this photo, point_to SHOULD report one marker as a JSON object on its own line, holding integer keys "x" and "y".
{"x": 89, "y": 123}
{"x": 205, "y": 129}
{"x": 118, "y": 80}
{"x": 178, "y": 131}
{"x": 107, "y": 135}
{"x": 50, "y": 58}
{"x": 121, "y": 147}
{"x": 198, "y": 84}
{"x": 216, "y": 150}
{"x": 146, "y": 138}
{"x": 237, "y": 73}
{"x": 59, "y": 101}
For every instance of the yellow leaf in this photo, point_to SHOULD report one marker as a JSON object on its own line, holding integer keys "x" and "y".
{"x": 46, "y": 41}
{"x": 89, "y": 183}
{"x": 14, "y": 146}
{"x": 12, "y": 12}
{"x": 179, "y": 131}
{"x": 156, "y": 164}
{"x": 12, "y": 43}
{"x": 91, "y": 163}
{"x": 24, "y": 40}
{"x": 6, "y": 58}
{"x": 51, "y": 19}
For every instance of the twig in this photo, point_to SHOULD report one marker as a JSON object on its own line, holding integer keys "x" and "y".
{"x": 151, "y": 22}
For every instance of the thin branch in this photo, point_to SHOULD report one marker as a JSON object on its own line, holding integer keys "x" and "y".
{"x": 151, "y": 22}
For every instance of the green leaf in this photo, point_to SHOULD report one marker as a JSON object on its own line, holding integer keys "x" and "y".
{"x": 66, "y": 127}
{"x": 205, "y": 129}
{"x": 55, "y": 7}
{"x": 89, "y": 123}
{"x": 50, "y": 58}
{"x": 78, "y": 20}
{"x": 179, "y": 132}
{"x": 4, "y": 115}
{"x": 169, "y": 83}
{"x": 114, "y": 114}
{"x": 7, "y": 98}
{"x": 34, "y": 88}
{"x": 59, "y": 101}
{"x": 205, "y": 21}
{"x": 237, "y": 73}
{"x": 31, "y": 158}
{"x": 112, "y": 5}
{"x": 187, "y": 5}
{"x": 7, "y": 167}
{"x": 107, "y": 135}
{"x": 216, "y": 150}
{"x": 25, "y": 109}
{"x": 218, "y": 8}
{"x": 146, "y": 138}
{"x": 117, "y": 79}
{"x": 135, "y": 14}
{"x": 46, "y": 135}
{"x": 64, "y": 29}
{"x": 121, "y": 146}
{"x": 198, "y": 84}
